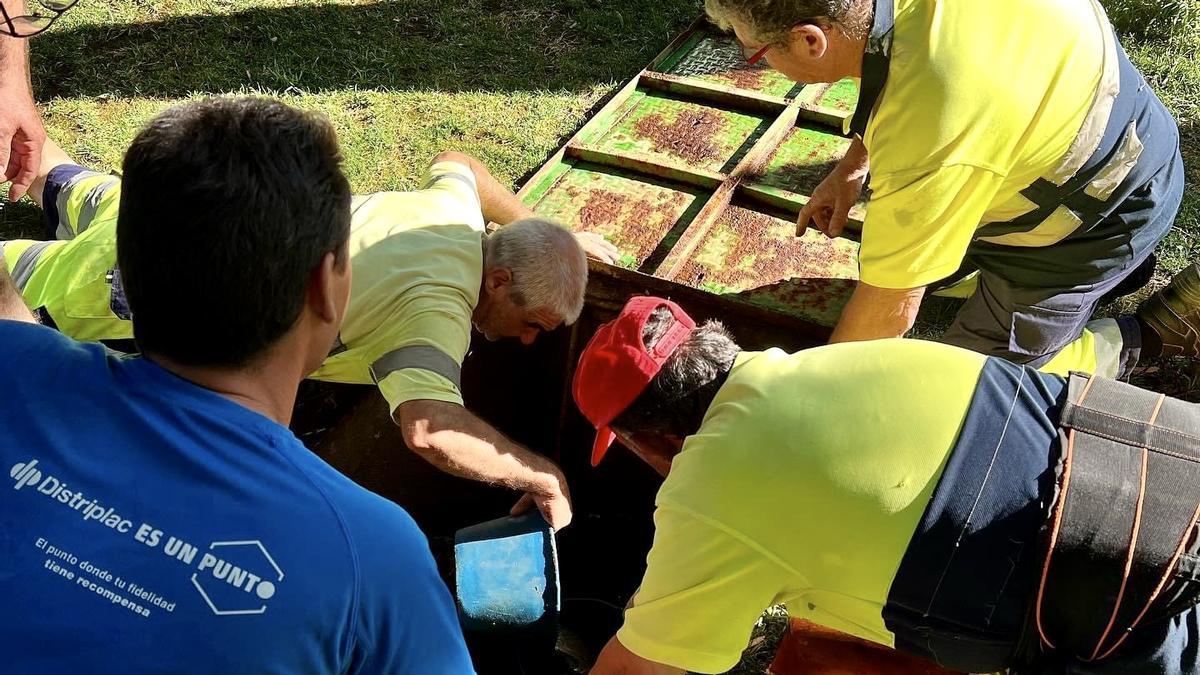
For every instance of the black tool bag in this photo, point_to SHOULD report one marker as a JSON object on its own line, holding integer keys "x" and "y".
{"x": 1122, "y": 540}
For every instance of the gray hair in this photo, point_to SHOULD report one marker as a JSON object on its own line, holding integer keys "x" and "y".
{"x": 679, "y": 395}
{"x": 770, "y": 21}
{"x": 548, "y": 267}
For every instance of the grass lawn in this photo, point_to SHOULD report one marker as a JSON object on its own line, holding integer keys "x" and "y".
{"x": 505, "y": 80}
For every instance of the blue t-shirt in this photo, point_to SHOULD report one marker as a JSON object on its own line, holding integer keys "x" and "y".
{"x": 151, "y": 525}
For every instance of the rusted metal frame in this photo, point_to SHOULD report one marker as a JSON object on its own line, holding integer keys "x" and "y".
{"x": 680, "y": 173}
{"x": 811, "y": 110}
{"x": 712, "y": 92}
{"x": 751, "y": 165}
{"x": 700, "y": 25}
{"x": 791, "y": 202}
{"x": 610, "y": 287}
{"x": 823, "y": 116}
{"x": 618, "y": 99}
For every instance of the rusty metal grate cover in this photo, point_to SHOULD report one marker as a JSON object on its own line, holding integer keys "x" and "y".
{"x": 696, "y": 171}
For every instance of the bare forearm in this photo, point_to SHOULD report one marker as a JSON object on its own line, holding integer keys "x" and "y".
{"x": 12, "y": 306}
{"x": 456, "y": 441}
{"x": 615, "y": 659}
{"x": 875, "y": 313}
{"x": 14, "y": 53}
{"x": 498, "y": 203}
{"x": 857, "y": 160}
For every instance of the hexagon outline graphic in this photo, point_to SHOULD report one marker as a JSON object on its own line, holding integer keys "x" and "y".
{"x": 237, "y": 612}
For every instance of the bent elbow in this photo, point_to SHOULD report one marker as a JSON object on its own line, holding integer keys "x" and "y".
{"x": 415, "y": 428}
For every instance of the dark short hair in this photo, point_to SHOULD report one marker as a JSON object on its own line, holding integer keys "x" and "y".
{"x": 679, "y": 395}
{"x": 227, "y": 207}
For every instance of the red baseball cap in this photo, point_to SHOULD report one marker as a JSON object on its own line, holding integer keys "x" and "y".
{"x": 616, "y": 367}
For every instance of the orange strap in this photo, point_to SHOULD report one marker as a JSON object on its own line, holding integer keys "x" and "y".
{"x": 1133, "y": 538}
{"x": 1057, "y": 523}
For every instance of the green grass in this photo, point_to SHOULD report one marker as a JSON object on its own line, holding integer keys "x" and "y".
{"x": 506, "y": 80}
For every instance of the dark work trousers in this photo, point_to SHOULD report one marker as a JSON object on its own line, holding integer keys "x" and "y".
{"x": 965, "y": 586}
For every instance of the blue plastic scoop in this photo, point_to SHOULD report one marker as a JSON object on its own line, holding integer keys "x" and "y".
{"x": 506, "y": 573}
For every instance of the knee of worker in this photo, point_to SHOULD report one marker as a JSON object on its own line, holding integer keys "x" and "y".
{"x": 1028, "y": 326}
{"x": 77, "y": 199}
{"x": 1097, "y": 351}
{"x": 1013, "y": 340}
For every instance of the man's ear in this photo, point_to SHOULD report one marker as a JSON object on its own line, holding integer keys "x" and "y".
{"x": 497, "y": 278}
{"x": 324, "y": 287}
{"x": 810, "y": 41}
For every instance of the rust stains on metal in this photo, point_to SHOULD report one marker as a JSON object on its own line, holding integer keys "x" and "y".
{"x": 761, "y": 254}
{"x": 635, "y": 224}
{"x": 804, "y": 176}
{"x": 689, "y": 135}
{"x": 601, "y": 209}
{"x": 749, "y": 77}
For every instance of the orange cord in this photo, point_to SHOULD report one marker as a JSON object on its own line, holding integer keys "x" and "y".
{"x": 1133, "y": 537}
{"x": 1058, "y": 511}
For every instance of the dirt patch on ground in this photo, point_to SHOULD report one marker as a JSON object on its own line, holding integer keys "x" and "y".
{"x": 689, "y": 135}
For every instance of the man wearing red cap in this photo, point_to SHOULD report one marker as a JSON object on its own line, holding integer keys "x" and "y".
{"x": 898, "y": 491}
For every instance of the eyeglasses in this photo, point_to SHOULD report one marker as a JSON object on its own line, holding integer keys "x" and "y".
{"x": 754, "y": 57}
{"x": 36, "y": 21}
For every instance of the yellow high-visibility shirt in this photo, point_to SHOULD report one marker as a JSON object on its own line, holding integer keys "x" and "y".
{"x": 981, "y": 99}
{"x": 418, "y": 265}
{"x": 417, "y": 261}
{"x": 803, "y": 486}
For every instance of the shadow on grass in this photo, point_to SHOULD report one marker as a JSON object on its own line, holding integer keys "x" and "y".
{"x": 20, "y": 220}
{"x": 477, "y": 45}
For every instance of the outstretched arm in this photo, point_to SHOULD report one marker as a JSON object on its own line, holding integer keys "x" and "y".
{"x": 874, "y": 313}
{"x": 52, "y": 156}
{"x": 501, "y": 206}
{"x": 21, "y": 131}
{"x": 12, "y": 307}
{"x": 498, "y": 203}
{"x": 615, "y": 659}
{"x": 456, "y": 441}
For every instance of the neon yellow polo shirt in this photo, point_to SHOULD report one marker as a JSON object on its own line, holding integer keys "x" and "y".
{"x": 417, "y": 261}
{"x": 418, "y": 265}
{"x": 803, "y": 486}
{"x": 981, "y": 99}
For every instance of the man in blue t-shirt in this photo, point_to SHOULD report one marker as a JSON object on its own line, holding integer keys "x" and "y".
{"x": 159, "y": 516}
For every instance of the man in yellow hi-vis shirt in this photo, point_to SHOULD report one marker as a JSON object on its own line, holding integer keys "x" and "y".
{"x": 1012, "y": 138}
{"x": 920, "y": 520}
{"x": 425, "y": 272}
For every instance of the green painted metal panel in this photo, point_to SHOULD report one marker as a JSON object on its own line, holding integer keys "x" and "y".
{"x": 719, "y": 59}
{"x": 639, "y": 215}
{"x": 758, "y": 258}
{"x": 803, "y": 159}
{"x": 669, "y": 129}
{"x": 648, "y": 149}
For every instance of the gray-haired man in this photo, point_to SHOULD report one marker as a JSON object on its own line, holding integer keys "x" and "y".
{"x": 424, "y": 273}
